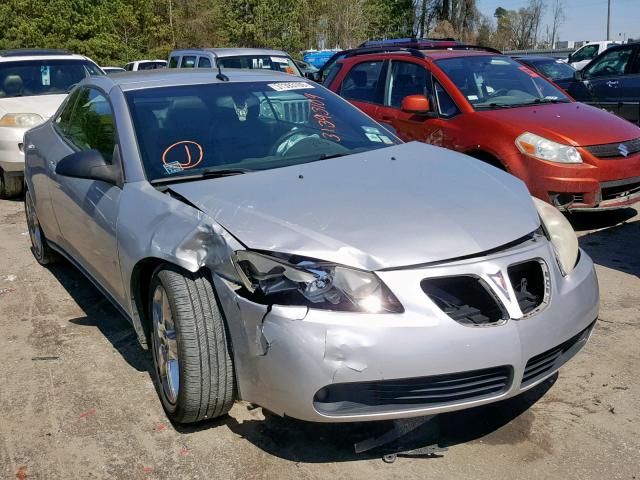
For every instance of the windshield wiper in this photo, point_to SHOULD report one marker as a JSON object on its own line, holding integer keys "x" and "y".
{"x": 494, "y": 105}
{"x": 547, "y": 100}
{"x": 205, "y": 173}
{"x": 325, "y": 156}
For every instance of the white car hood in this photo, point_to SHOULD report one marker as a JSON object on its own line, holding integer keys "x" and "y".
{"x": 398, "y": 206}
{"x": 43, "y": 105}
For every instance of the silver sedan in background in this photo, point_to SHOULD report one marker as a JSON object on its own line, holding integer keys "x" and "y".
{"x": 272, "y": 243}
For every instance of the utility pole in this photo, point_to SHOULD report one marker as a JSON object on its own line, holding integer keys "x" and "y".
{"x": 608, "y": 18}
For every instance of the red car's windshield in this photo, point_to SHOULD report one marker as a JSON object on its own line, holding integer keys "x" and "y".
{"x": 496, "y": 81}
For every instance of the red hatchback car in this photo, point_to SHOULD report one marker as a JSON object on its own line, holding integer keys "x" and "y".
{"x": 491, "y": 107}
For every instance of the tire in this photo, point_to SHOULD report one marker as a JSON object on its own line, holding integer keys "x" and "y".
{"x": 10, "y": 185}
{"x": 39, "y": 245}
{"x": 189, "y": 339}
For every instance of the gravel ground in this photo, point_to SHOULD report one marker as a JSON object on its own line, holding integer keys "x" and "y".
{"x": 77, "y": 399}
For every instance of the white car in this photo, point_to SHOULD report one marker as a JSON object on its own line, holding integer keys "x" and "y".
{"x": 588, "y": 52}
{"x": 33, "y": 84}
{"x": 145, "y": 65}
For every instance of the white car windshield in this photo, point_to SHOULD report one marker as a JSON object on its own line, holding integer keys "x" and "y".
{"x": 490, "y": 82}
{"x": 43, "y": 77}
{"x": 196, "y": 129}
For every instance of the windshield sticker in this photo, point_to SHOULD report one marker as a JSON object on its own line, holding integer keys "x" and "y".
{"x": 279, "y": 60}
{"x": 323, "y": 117}
{"x": 373, "y": 137}
{"x": 182, "y": 155}
{"x": 173, "y": 167}
{"x": 385, "y": 139}
{"x": 472, "y": 97}
{"x": 371, "y": 130}
{"x": 528, "y": 71}
{"x": 285, "y": 86}
{"x": 45, "y": 75}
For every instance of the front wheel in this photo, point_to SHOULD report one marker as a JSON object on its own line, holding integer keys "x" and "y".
{"x": 191, "y": 353}
{"x": 39, "y": 245}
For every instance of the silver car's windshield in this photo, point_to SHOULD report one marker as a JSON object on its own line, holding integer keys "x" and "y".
{"x": 43, "y": 77}
{"x": 191, "y": 130}
{"x": 496, "y": 81}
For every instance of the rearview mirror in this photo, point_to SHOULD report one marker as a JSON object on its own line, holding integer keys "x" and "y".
{"x": 88, "y": 164}
{"x": 416, "y": 104}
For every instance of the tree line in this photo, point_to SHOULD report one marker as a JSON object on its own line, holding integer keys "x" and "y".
{"x": 113, "y": 32}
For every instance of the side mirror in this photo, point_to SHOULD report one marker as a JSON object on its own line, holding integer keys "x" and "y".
{"x": 311, "y": 76}
{"x": 88, "y": 164}
{"x": 569, "y": 58}
{"x": 417, "y": 105}
{"x": 578, "y": 75}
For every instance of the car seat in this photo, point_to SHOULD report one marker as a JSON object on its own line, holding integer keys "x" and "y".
{"x": 13, "y": 86}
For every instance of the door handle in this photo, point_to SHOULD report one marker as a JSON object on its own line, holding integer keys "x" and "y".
{"x": 385, "y": 118}
{"x": 612, "y": 83}
{"x": 32, "y": 148}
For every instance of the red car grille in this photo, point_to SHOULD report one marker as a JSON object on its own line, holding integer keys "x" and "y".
{"x": 615, "y": 150}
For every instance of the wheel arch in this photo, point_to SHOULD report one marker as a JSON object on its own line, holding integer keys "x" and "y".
{"x": 488, "y": 157}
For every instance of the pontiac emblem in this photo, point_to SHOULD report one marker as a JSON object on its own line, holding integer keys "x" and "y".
{"x": 624, "y": 151}
{"x": 500, "y": 282}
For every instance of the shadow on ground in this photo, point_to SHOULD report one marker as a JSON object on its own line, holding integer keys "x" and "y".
{"x": 616, "y": 243}
{"x": 505, "y": 422}
{"x": 99, "y": 313}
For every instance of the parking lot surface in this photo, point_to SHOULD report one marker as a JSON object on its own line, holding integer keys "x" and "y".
{"x": 77, "y": 398}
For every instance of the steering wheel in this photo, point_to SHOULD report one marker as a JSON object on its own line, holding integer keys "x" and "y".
{"x": 609, "y": 69}
{"x": 287, "y": 135}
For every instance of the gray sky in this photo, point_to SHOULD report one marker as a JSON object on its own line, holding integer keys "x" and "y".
{"x": 585, "y": 19}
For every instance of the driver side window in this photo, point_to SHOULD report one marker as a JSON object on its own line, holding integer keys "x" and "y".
{"x": 90, "y": 124}
{"x": 586, "y": 53}
{"x": 407, "y": 78}
{"x": 613, "y": 63}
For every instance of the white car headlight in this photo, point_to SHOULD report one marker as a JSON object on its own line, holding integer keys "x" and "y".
{"x": 539, "y": 147}
{"x": 21, "y": 120}
{"x": 291, "y": 280}
{"x": 561, "y": 234}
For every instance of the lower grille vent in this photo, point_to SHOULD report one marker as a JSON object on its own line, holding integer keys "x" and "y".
{"x": 540, "y": 365}
{"x": 438, "y": 390}
{"x": 466, "y": 299}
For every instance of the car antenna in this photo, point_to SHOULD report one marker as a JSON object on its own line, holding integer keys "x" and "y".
{"x": 220, "y": 76}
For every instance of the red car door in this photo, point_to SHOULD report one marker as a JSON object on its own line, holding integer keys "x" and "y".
{"x": 409, "y": 77}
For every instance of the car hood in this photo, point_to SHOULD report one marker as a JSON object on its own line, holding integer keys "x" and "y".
{"x": 43, "y": 105}
{"x": 572, "y": 123}
{"x": 397, "y": 206}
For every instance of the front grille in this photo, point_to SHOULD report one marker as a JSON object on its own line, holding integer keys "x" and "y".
{"x": 549, "y": 361}
{"x": 466, "y": 299}
{"x": 620, "y": 188}
{"x": 530, "y": 282}
{"x": 614, "y": 150}
{"x": 438, "y": 390}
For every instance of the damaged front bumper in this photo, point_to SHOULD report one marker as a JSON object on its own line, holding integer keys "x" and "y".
{"x": 328, "y": 366}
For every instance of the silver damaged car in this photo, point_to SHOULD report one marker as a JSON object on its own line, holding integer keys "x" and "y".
{"x": 269, "y": 242}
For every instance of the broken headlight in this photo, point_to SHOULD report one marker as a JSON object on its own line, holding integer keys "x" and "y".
{"x": 560, "y": 233}
{"x": 293, "y": 280}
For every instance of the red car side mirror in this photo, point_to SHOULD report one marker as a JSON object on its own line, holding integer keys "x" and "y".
{"x": 416, "y": 104}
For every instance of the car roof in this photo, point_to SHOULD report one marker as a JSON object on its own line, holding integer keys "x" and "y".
{"x": 23, "y": 54}
{"x": 230, "y": 52}
{"x": 168, "y": 77}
